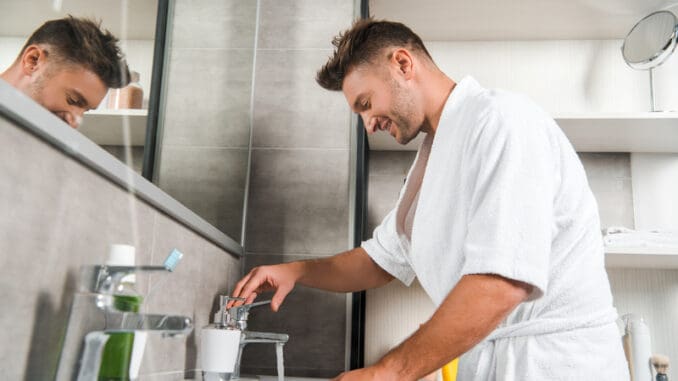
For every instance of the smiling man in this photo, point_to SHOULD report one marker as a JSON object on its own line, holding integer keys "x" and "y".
{"x": 67, "y": 66}
{"x": 496, "y": 220}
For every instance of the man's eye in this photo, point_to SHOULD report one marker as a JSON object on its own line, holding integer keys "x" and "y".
{"x": 71, "y": 101}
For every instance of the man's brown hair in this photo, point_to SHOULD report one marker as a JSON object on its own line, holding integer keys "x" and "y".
{"x": 82, "y": 42}
{"x": 361, "y": 44}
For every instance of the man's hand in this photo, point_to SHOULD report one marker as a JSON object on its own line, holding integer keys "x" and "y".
{"x": 279, "y": 278}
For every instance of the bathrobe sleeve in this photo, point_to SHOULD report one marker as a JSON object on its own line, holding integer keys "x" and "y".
{"x": 386, "y": 251}
{"x": 511, "y": 176}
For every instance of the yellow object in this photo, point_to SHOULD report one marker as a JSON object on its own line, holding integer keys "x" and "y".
{"x": 450, "y": 370}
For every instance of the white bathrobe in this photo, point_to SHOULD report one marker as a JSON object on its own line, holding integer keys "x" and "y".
{"x": 500, "y": 190}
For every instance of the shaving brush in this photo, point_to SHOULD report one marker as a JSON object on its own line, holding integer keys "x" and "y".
{"x": 661, "y": 365}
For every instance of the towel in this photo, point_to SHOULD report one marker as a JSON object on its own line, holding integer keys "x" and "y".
{"x": 617, "y": 236}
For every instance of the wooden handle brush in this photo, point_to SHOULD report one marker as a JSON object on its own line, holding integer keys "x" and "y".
{"x": 661, "y": 365}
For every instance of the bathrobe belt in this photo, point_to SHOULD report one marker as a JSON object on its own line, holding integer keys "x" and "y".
{"x": 545, "y": 326}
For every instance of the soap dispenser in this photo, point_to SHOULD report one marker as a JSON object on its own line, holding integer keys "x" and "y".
{"x": 219, "y": 346}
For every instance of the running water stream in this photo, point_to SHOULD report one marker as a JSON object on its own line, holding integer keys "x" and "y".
{"x": 279, "y": 361}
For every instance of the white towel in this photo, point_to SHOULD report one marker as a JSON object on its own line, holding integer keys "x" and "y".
{"x": 617, "y": 236}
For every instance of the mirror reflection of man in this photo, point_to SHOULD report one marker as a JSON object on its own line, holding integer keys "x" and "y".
{"x": 67, "y": 66}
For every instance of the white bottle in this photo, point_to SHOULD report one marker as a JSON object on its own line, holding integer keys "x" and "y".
{"x": 638, "y": 348}
{"x": 130, "y": 96}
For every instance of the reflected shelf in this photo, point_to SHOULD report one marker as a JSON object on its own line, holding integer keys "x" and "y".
{"x": 108, "y": 127}
{"x": 591, "y": 132}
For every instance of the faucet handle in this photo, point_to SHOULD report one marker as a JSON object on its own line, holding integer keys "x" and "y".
{"x": 224, "y": 299}
{"x": 222, "y": 317}
{"x": 237, "y": 316}
{"x": 255, "y": 304}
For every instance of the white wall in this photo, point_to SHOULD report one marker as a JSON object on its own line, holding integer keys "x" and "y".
{"x": 562, "y": 76}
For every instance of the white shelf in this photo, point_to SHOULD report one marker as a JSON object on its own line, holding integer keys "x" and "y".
{"x": 622, "y": 132}
{"x": 591, "y": 132}
{"x": 108, "y": 127}
{"x": 642, "y": 257}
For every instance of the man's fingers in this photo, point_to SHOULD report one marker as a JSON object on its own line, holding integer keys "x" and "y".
{"x": 238, "y": 288}
{"x": 279, "y": 297}
{"x": 241, "y": 283}
{"x": 253, "y": 285}
{"x": 251, "y": 298}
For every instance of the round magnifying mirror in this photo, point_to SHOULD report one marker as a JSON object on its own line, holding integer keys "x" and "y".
{"x": 651, "y": 41}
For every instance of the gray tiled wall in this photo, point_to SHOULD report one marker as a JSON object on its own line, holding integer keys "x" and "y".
{"x": 206, "y": 129}
{"x": 58, "y": 216}
{"x": 132, "y": 156}
{"x": 299, "y": 191}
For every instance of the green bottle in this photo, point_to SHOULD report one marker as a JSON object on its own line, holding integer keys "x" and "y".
{"x": 117, "y": 353}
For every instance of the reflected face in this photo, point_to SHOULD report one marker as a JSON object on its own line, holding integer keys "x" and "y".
{"x": 383, "y": 102}
{"x": 67, "y": 91}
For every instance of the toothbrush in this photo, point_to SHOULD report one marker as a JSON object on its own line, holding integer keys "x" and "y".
{"x": 172, "y": 260}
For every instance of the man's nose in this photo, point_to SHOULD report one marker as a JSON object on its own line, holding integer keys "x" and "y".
{"x": 74, "y": 117}
{"x": 369, "y": 124}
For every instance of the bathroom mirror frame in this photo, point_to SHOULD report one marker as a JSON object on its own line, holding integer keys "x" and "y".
{"x": 654, "y": 58}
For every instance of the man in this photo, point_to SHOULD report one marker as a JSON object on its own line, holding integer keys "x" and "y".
{"x": 67, "y": 66}
{"x": 496, "y": 220}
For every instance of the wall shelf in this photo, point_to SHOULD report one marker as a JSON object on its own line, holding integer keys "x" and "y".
{"x": 642, "y": 257}
{"x": 622, "y": 132}
{"x": 107, "y": 127}
{"x": 591, "y": 132}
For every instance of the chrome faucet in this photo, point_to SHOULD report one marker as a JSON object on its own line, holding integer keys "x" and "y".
{"x": 94, "y": 316}
{"x": 236, "y": 318}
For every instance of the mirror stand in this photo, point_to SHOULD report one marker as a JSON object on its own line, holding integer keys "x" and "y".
{"x": 652, "y": 102}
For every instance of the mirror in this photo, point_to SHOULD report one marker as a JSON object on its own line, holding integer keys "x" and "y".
{"x": 205, "y": 114}
{"x": 191, "y": 135}
{"x": 650, "y": 43}
{"x": 119, "y": 131}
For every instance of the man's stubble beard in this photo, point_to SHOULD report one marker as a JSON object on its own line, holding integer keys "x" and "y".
{"x": 403, "y": 112}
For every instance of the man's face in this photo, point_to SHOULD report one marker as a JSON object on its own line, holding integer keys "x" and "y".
{"x": 67, "y": 91}
{"x": 383, "y": 102}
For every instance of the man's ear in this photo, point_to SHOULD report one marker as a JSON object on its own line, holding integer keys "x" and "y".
{"x": 32, "y": 59}
{"x": 403, "y": 59}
